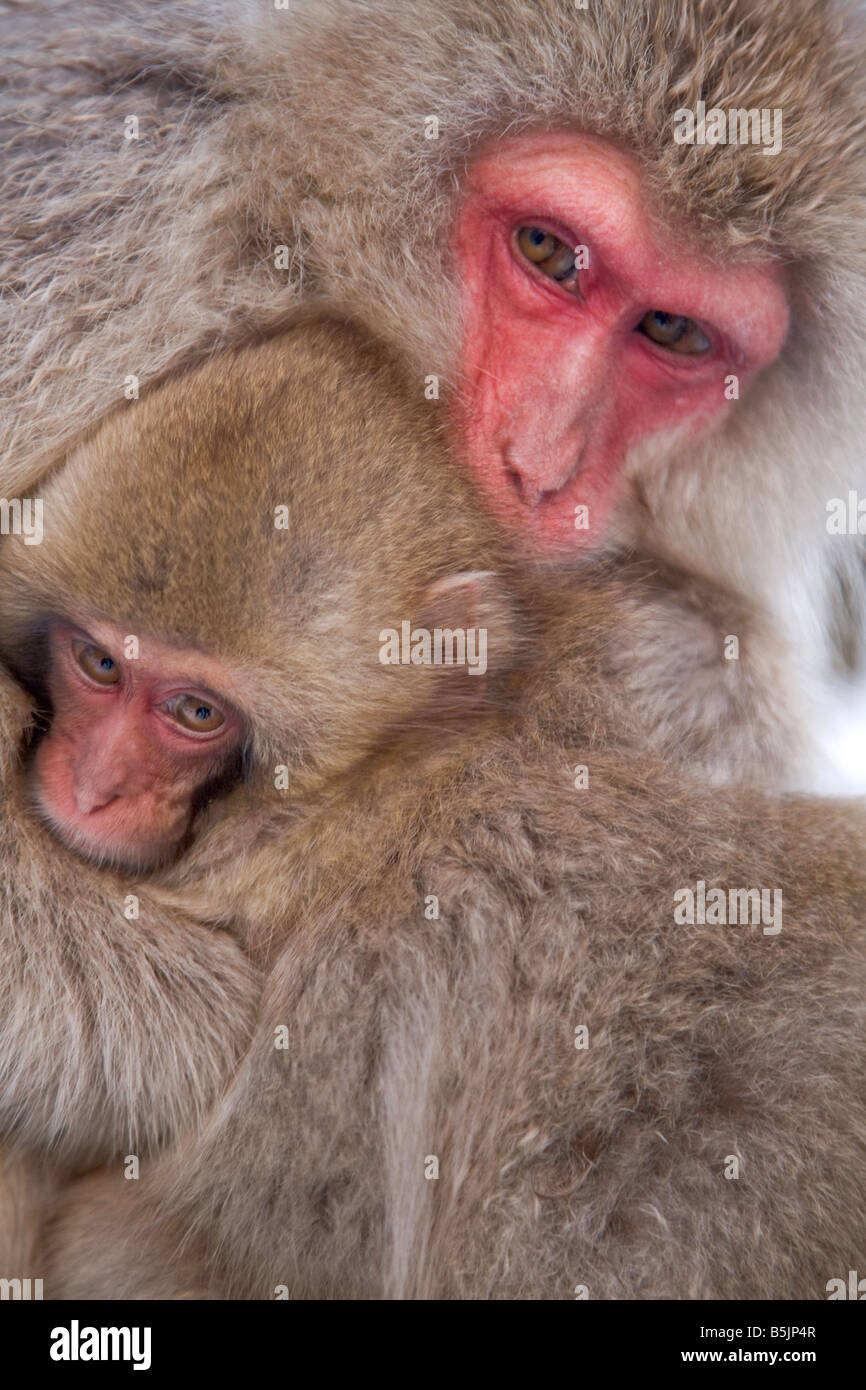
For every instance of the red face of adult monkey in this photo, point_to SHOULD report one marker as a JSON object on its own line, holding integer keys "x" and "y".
{"x": 587, "y": 331}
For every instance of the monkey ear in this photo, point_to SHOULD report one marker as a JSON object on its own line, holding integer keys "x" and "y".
{"x": 480, "y": 605}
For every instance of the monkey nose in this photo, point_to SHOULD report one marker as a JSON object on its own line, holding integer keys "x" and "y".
{"x": 535, "y": 485}
{"x": 89, "y": 799}
{"x": 94, "y": 792}
{"x": 529, "y": 494}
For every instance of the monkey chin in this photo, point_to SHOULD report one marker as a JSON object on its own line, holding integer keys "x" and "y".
{"x": 143, "y": 857}
{"x": 110, "y": 848}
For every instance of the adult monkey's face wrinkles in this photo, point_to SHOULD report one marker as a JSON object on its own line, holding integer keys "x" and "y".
{"x": 570, "y": 357}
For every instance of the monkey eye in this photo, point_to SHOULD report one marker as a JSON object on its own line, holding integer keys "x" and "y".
{"x": 549, "y": 253}
{"x": 674, "y": 332}
{"x": 96, "y": 663}
{"x": 194, "y": 714}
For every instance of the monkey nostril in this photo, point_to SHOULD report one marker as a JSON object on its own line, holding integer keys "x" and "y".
{"x": 92, "y": 794}
{"x": 528, "y": 493}
{"x": 514, "y": 479}
{"x": 90, "y": 802}
{"x": 533, "y": 485}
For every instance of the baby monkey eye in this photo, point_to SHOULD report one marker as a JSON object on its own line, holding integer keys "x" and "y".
{"x": 96, "y": 663}
{"x": 549, "y": 253}
{"x": 674, "y": 332}
{"x": 194, "y": 714}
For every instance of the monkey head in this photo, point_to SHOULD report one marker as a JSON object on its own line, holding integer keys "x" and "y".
{"x": 236, "y": 578}
{"x": 589, "y": 331}
{"x": 665, "y": 334}
{"x": 134, "y": 745}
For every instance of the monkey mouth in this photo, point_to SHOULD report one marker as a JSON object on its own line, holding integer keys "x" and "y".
{"x": 105, "y": 845}
{"x": 565, "y": 518}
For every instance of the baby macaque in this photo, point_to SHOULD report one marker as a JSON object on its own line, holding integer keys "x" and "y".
{"x": 542, "y": 1015}
{"x": 177, "y": 677}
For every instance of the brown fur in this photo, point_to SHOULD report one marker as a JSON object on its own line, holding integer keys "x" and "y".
{"x": 719, "y": 719}
{"x": 454, "y": 1037}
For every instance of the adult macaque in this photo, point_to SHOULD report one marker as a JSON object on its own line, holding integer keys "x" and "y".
{"x": 498, "y": 1054}
{"x": 642, "y": 335}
